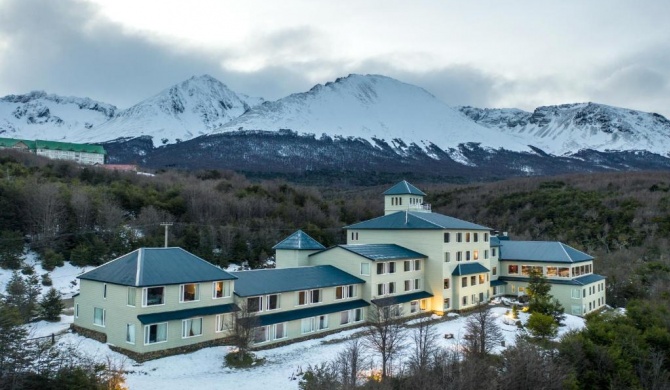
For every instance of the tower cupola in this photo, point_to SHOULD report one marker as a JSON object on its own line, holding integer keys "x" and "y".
{"x": 404, "y": 197}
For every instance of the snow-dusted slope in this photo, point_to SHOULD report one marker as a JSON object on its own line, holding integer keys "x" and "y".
{"x": 568, "y": 128}
{"x": 181, "y": 112}
{"x": 372, "y": 106}
{"x": 38, "y": 115}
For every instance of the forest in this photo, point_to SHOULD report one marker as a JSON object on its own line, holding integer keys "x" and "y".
{"x": 87, "y": 215}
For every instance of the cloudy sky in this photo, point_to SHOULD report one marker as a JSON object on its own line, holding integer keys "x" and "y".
{"x": 483, "y": 53}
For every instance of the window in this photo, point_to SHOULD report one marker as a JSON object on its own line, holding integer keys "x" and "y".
{"x": 354, "y": 236}
{"x": 447, "y": 237}
{"x": 564, "y": 272}
{"x": 552, "y": 271}
{"x": 358, "y": 315}
{"x": 99, "y": 316}
{"x": 521, "y": 289}
{"x": 132, "y": 292}
{"x": 446, "y": 284}
{"x": 261, "y": 334}
{"x": 459, "y": 237}
{"x": 312, "y": 324}
{"x": 447, "y": 257}
{"x": 221, "y": 289}
{"x": 222, "y": 322}
{"x": 254, "y": 304}
{"x": 465, "y": 300}
{"x": 473, "y": 299}
{"x": 481, "y": 278}
{"x": 486, "y": 237}
{"x": 76, "y": 310}
{"x": 513, "y": 269}
{"x": 365, "y": 268}
{"x": 467, "y": 255}
{"x": 407, "y": 265}
{"x": 473, "y": 280}
{"x": 189, "y": 292}
{"x": 475, "y": 255}
{"x": 280, "y": 331}
{"x": 104, "y": 291}
{"x": 391, "y": 267}
{"x": 381, "y": 268}
{"x": 315, "y": 296}
{"x": 130, "y": 333}
{"x": 307, "y": 297}
{"x": 475, "y": 237}
{"x": 467, "y": 237}
{"x": 272, "y": 302}
{"x": 191, "y": 327}
{"x": 493, "y": 252}
{"x": 494, "y": 271}
{"x": 155, "y": 333}
{"x": 344, "y": 317}
{"x": 322, "y": 322}
{"x": 447, "y": 303}
{"x": 153, "y": 296}
{"x": 486, "y": 253}
{"x": 413, "y": 306}
{"x": 584, "y": 293}
{"x": 459, "y": 256}
{"x": 417, "y": 283}
{"x": 408, "y": 285}
{"x": 464, "y": 281}
{"x": 391, "y": 288}
{"x": 343, "y": 292}
{"x": 307, "y": 325}
{"x": 417, "y": 265}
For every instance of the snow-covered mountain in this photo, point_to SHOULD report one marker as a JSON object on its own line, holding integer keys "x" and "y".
{"x": 568, "y": 128}
{"x": 38, "y": 115}
{"x": 373, "y": 106}
{"x": 181, "y": 112}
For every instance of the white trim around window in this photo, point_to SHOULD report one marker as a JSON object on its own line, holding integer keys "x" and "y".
{"x": 221, "y": 289}
{"x": 151, "y": 297}
{"x": 189, "y": 292}
{"x": 191, "y": 327}
{"x": 99, "y": 316}
{"x": 155, "y": 333}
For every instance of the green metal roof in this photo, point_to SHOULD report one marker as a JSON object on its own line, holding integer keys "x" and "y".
{"x": 469, "y": 269}
{"x": 404, "y": 188}
{"x": 396, "y": 299}
{"x": 381, "y": 252}
{"x": 155, "y": 267}
{"x": 273, "y": 281}
{"x": 495, "y": 283}
{"x": 54, "y": 145}
{"x": 12, "y": 142}
{"x": 412, "y": 220}
{"x": 187, "y": 313}
{"x": 544, "y": 251}
{"x": 313, "y": 311}
{"x": 580, "y": 281}
{"x": 299, "y": 241}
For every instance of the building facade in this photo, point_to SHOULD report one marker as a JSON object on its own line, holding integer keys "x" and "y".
{"x": 81, "y": 153}
{"x": 410, "y": 260}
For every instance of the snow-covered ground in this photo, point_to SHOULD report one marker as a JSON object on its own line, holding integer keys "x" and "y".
{"x": 64, "y": 278}
{"x": 206, "y": 366}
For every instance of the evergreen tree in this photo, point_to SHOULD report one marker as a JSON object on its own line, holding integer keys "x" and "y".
{"x": 11, "y": 249}
{"x": 51, "y": 305}
{"x": 540, "y": 299}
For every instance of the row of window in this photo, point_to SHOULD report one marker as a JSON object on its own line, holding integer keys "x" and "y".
{"x": 562, "y": 272}
{"x": 576, "y": 293}
{"x": 190, "y": 292}
{"x": 481, "y": 278}
{"x": 474, "y": 299}
{"x": 390, "y": 287}
{"x": 306, "y": 297}
{"x": 468, "y": 236}
{"x": 469, "y": 255}
{"x": 389, "y": 267}
{"x": 307, "y": 325}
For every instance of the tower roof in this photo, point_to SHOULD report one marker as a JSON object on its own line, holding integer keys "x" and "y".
{"x": 299, "y": 241}
{"x": 416, "y": 220}
{"x": 404, "y": 188}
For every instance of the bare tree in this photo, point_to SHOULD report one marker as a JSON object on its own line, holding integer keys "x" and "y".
{"x": 528, "y": 366}
{"x": 349, "y": 364}
{"x": 424, "y": 337}
{"x": 47, "y": 210}
{"x": 482, "y": 332}
{"x": 243, "y": 329}
{"x": 386, "y": 334}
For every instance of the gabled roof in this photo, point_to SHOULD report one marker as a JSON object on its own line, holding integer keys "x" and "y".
{"x": 380, "y": 252}
{"x": 469, "y": 269}
{"x": 404, "y": 188}
{"x": 545, "y": 251}
{"x": 299, "y": 241}
{"x": 416, "y": 220}
{"x": 155, "y": 267}
{"x": 272, "y": 281}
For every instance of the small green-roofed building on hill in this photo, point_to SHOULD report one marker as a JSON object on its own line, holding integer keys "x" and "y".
{"x": 81, "y": 153}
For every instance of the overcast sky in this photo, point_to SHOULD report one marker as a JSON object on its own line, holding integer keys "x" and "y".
{"x": 482, "y": 53}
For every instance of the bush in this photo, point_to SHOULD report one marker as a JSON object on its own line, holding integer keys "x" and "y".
{"x": 51, "y": 305}
{"x": 46, "y": 280}
{"x": 542, "y": 325}
{"x": 249, "y": 359}
{"x": 51, "y": 260}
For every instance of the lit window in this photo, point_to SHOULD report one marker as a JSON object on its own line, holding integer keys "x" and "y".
{"x": 189, "y": 292}
{"x": 221, "y": 289}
